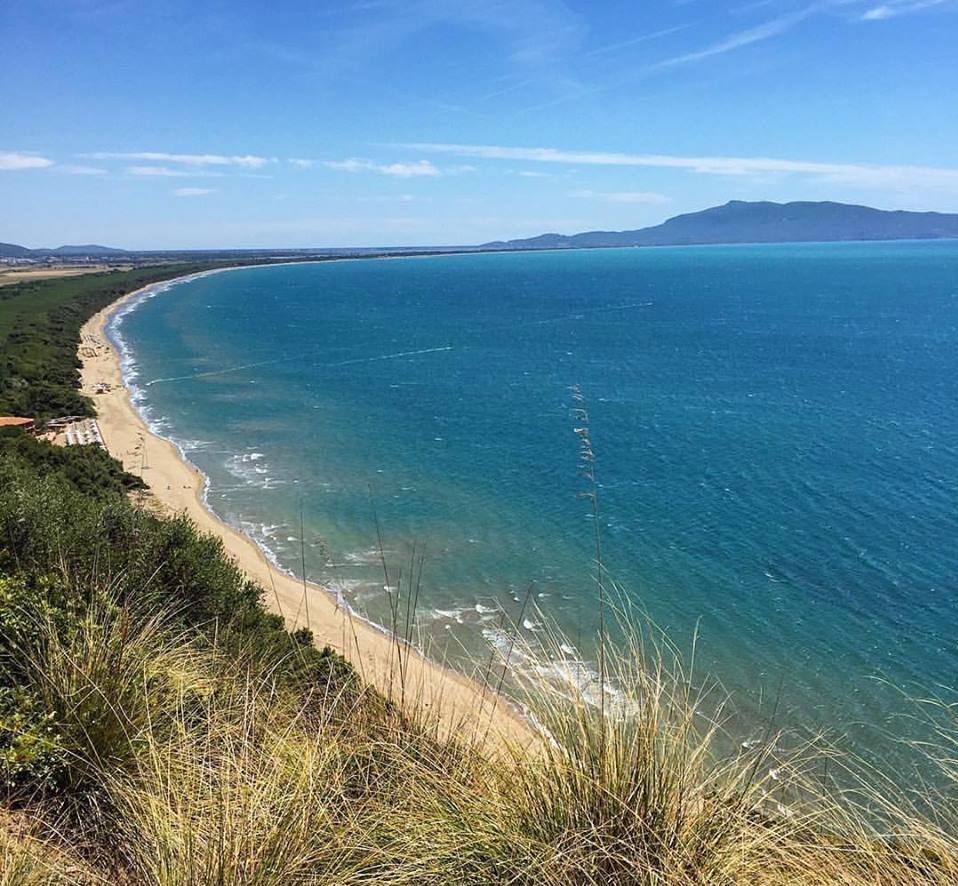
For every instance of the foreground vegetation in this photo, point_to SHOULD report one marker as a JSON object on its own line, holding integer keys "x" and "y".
{"x": 158, "y": 727}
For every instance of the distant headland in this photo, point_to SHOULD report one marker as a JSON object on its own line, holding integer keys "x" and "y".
{"x": 762, "y": 222}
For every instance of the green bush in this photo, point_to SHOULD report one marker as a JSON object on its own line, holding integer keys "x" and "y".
{"x": 31, "y": 754}
{"x": 91, "y": 469}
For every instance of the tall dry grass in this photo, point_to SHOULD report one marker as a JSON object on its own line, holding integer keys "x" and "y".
{"x": 29, "y": 859}
{"x": 109, "y": 682}
{"x": 208, "y": 772}
{"x": 241, "y": 795}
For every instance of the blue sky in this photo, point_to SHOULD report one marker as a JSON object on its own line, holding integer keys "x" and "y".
{"x": 380, "y": 122}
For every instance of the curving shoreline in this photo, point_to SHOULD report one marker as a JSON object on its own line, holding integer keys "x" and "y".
{"x": 463, "y": 705}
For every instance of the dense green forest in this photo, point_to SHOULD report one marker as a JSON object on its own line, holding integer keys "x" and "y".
{"x": 40, "y": 324}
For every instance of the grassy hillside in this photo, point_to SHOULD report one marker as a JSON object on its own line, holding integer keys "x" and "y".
{"x": 158, "y": 727}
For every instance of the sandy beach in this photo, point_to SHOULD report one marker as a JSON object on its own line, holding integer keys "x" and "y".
{"x": 463, "y": 705}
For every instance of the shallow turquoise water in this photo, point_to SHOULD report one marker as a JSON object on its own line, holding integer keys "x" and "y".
{"x": 776, "y": 433}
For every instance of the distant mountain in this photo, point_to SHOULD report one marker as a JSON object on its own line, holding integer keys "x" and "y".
{"x": 742, "y": 222}
{"x": 92, "y": 249}
{"x": 11, "y": 250}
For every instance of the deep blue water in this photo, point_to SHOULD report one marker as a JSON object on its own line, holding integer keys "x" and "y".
{"x": 775, "y": 429}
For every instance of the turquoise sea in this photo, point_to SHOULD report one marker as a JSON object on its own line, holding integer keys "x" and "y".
{"x": 775, "y": 430}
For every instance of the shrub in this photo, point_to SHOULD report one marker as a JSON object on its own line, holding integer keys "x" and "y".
{"x": 91, "y": 469}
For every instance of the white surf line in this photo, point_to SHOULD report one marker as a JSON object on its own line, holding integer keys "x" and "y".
{"x": 245, "y": 366}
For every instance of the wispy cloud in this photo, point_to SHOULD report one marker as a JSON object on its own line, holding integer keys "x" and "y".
{"x": 415, "y": 169}
{"x": 531, "y": 39}
{"x": 192, "y": 192}
{"x": 533, "y": 32}
{"x": 244, "y": 161}
{"x": 70, "y": 169}
{"x": 301, "y": 163}
{"x": 736, "y": 40}
{"x": 646, "y": 197}
{"x": 780, "y": 25}
{"x": 870, "y": 175}
{"x": 168, "y": 172}
{"x": 11, "y": 161}
{"x": 740, "y": 39}
{"x": 893, "y": 9}
{"x": 635, "y": 41}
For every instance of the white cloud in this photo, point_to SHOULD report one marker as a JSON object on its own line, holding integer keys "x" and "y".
{"x": 167, "y": 171}
{"x": 646, "y": 197}
{"x": 11, "y": 161}
{"x": 866, "y": 175}
{"x": 192, "y": 192}
{"x": 69, "y": 169}
{"x": 348, "y": 165}
{"x": 155, "y": 170}
{"x": 244, "y": 161}
{"x": 400, "y": 170}
{"x": 409, "y": 170}
{"x": 300, "y": 163}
